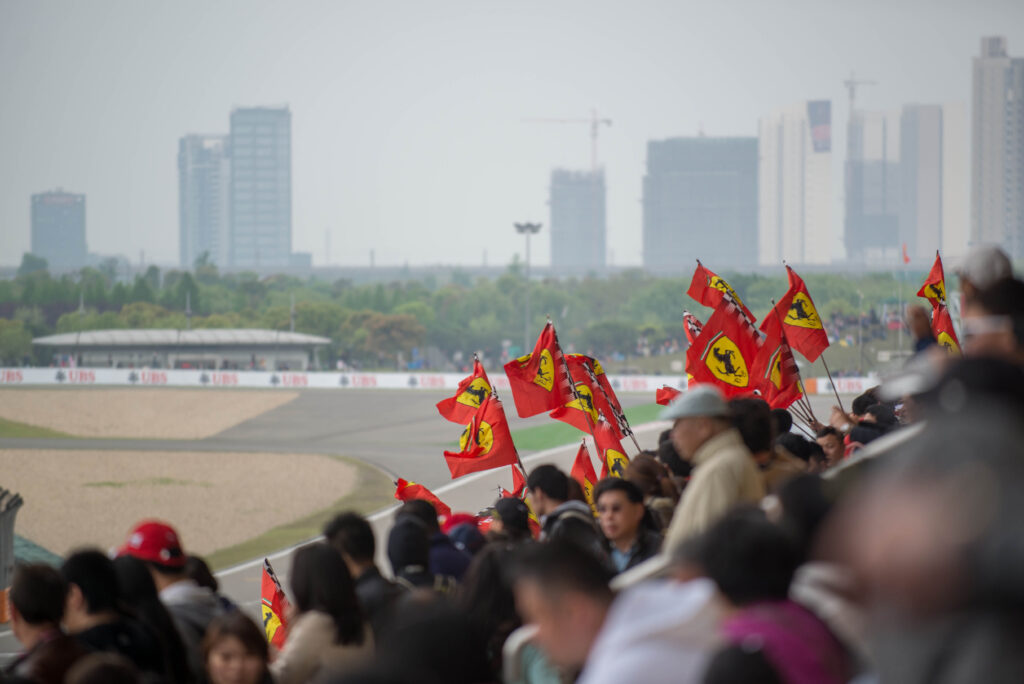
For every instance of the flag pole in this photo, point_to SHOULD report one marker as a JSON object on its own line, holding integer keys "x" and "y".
{"x": 832, "y": 382}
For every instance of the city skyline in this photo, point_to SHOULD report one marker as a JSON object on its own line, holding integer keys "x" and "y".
{"x": 408, "y": 126}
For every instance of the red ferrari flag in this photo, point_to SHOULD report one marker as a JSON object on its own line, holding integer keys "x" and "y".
{"x": 692, "y": 325}
{"x": 800, "y": 321}
{"x": 538, "y": 380}
{"x": 485, "y": 443}
{"x": 518, "y": 482}
{"x": 613, "y": 456}
{"x": 274, "y": 606}
{"x": 468, "y": 397}
{"x": 724, "y": 353}
{"x": 776, "y": 374}
{"x": 406, "y": 491}
{"x": 942, "y": 328}
{"x": 583, "y": 472}
{"x": 666, "y": 395}
{"x": 708, "y": 288}
{"x": 934, "y": 287}
{"x": 591, "y": 400}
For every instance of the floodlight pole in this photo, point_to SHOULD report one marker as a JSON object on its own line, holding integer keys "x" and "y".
{"x": 527, "y": 229}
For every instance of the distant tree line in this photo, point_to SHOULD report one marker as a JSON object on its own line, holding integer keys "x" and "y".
{"x": 375, "y": 325}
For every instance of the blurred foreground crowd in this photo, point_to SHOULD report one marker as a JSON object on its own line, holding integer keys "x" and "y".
{"x": 881, "y": 547}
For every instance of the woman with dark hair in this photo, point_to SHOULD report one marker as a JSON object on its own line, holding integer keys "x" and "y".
{"x": 486, "y": 598}
{"x": 139, "y": 594}
{"x": 655, "y": 481}
{"x": 326, "y": 630}
{"x": 235, "y": 651}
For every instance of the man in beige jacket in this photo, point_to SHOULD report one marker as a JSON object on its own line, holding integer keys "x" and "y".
{"x": 724, "y": 473}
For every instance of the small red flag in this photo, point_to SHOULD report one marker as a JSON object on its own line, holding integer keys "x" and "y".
{"x": 724, "y": 353}
{"x": 583, "y": 472}
{"x": 518, "y": 482}
{"x": 709, "y": 289}
{"x": 406, "y": 491}
{"x": 485, "y": 443}
{"x": 692, "y": 325}
{"x": 906, "y": 257}
{"x": 804, "y": 329}
{"x": 942, "y": 328}
{"x": 934, "y": 287}
{"x": 613, "y": 456}
{"x": 538, "y": 380}
{"x": 776, "y": 374}
{"x": 274, "y": 607}
{"x": 468, "y": 397}
{"x": 666, "y": 395}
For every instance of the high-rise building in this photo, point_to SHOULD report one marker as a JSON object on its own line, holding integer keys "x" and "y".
{"x": 700, "y": 202}
{"x": 578, "y": 229}
{"x": 871, "y": 228}
{"x": 933, "y": 208}
{"x": 58, "y": 229}
{"x": 997, "y": 136}
{"x": 795, "y": 185}
{"x": 204, "y": 208}
{"x": 261, "y": 187}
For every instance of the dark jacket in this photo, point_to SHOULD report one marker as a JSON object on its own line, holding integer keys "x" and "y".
{"x": 377, "y": 596}
{"x": 446, "y": 558}
{"x": 127, "y": 638}
{"x": 49, "y": 660}
{"x": 647, "y": 545}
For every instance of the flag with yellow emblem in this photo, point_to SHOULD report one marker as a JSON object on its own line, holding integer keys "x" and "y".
{"x": 407, "y": 491}
{"x": 724, "y": 353}
{"x": 485, "y": 442}
{"x": 775, "y": 372}
{"x": 613, "y": 456}
{"x": 934, "y": 287}
{"x": 538, "y": 380}
{"x": 709, "y": 288}
{"x": 942, "y": 328}
{"x": 796, "y": 315}
{"x": 583, "y": 472}
{"x": 591, "y": 399}
{"x": 470, "y": 394}
{"x": 273, "y": 605}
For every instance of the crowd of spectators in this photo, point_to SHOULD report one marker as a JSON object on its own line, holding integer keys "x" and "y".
{"x": 879, "y": 546}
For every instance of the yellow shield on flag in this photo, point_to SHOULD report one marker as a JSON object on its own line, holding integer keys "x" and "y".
{"x": 720, "y": 284}
{"x": 545, "y": 371}
{"x": 937, "y": 292}
{"x": 475, "y": 394}
{"x": 948, "y": 343}
{"x": 271, "y": 622}
{"x": 776, "y": 376}
{"x": 617, "y": 463}
{"x": 598, "y": 368}
{"x": 586, "y": 401}
{"x": 802, "y": 313}
{"x": 726, "y": 363}
{"x": 484, "y": 437}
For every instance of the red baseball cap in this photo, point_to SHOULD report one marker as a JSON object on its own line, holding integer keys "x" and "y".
{"x": 154, "y": 541}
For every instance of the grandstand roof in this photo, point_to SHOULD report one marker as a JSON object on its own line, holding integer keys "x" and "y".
{"x": 207, "y": 337}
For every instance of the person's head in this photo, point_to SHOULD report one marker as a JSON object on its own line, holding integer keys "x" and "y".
{"x": 668, "y": 456}
{"x": 651, "y": 476}
{"x": 563, "y": 590}
{"x": 753, "y": 418}
{"x": 795, "y": 445}
{"x": 235, "y": 650}
{"x": 620, "y": 510}
{"x": 698, "y": 415}
{"x": 860, "y": 405}
{"x": 782, "y": 421}
{"x": 982, "y": 267}
{"x": 408, "y": 545}
{"x": 512, "y": 517}
{"x": 993, "y": 324}
{"x": 831, "y": 442}
{"x": 805, "y": 505}
{"x": 103, "y": 668}
{"x": 547, "y": 487}
{"x": 485, "y": 593}
{"x": 93, "y": 588}
{"x": 918, "y": 322}
{"x": 157, "y": 544}
{"x": 749, "y": 558}
{"x": 882, "y": 415}
{"x": 199, "y": 572}
{"x": 351, "y": 536}
{"x": 744, "y": 663}
{"x": 320, "y": 581}
{"x": 575, "y": 491}
{"x": 423, "y": 511}
{"x": 36, "y": 600}
{"x": 817, "y": 461}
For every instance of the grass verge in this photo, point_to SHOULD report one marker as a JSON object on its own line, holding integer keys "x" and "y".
{"x": 557, "y": 434}
{"x": 10, "y": 428}
{"x": 373, "y": 491}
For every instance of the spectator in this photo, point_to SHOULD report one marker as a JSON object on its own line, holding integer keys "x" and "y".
{"x": 993, "y": 323}
{"x": 831, "y": 441}
{"x": 982, "y": 268}
{"x": 409, "y": 555}
{"x": 668, "y": 455}
{"x": 621, "y": 511}
{"x": 139, "y": 595}
{"x": 563, "y": 590}
{"x": 197, "y": 570}
{"x": 742, "y": 664}
{"x": 511, "y": 520}
{"x": 445, "y": 558}
{"x": 235, "y": 651}
{"x": 192, "y": 607}
{"x": 753, "y": 418}
{"x": 817, "y": 461}
{"x": 93, "y": 613}
{"x": 724, "y": 473}
{"x": 562, "y": 519}
{"x": 920, "y": 326}
{"x": 486, "y": 598}
{"x": 103, "y": 668}
{"x": 37, "y": 605}
{"x": 655, "y": 481}
{"x": 782, "y": 422}
{"x": 351, "y": 535}
{"x": 327, "y": 629}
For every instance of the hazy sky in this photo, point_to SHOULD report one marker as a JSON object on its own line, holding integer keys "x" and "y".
{"x": 407, "y": 116}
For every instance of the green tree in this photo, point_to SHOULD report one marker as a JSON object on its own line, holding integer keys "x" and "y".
{"x": 30, "y": 263}
{"x": 15, "y": 342}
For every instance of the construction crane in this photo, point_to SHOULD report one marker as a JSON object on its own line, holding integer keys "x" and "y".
{"x": 851, "y": 87}
{"x": 595, "y": 122}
